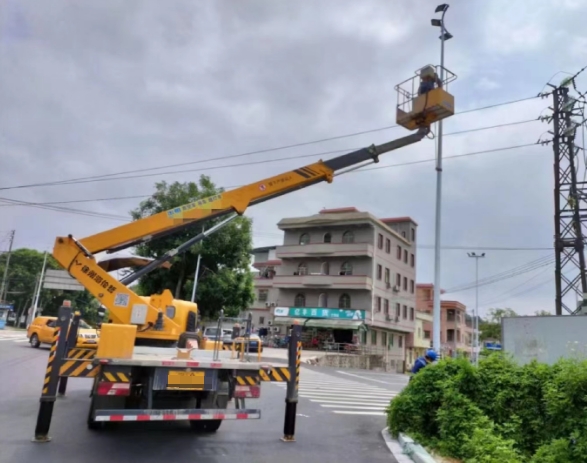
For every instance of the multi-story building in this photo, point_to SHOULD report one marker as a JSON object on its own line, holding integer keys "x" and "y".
{"x": 420, "y": 340}
{"x": 456, "y": 326}
{"x": 360, "y": 268}
{"x": 266, "y": 295}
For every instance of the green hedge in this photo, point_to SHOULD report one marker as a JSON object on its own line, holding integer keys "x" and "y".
{"x": 498, "y": 412}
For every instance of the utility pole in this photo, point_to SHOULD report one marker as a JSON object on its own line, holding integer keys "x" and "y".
{"x": 476, "y": 313}
{"x": 570, "y": 204}
{"x": 39, "y": 287}
{"x": 4, "y": 286}
{"x": 444, "y": 36}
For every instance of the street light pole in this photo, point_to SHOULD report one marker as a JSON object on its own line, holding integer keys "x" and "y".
{"x": 444, "y": 36}
{"x": 476, "y": 313}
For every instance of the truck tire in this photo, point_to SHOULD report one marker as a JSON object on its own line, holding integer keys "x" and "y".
{"x": 35, "y": 341}
{"x": 210, "y": 426}
{"x": 93, "y": 424}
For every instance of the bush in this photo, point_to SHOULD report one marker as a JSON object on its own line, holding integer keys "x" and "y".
{"x": 498, "y": 412}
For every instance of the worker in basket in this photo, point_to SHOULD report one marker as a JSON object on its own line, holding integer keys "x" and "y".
{"x": 428, "y": 80}
{"x": 421, "y": 362}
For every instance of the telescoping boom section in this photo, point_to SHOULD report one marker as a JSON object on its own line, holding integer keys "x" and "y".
{"x": 124, "y": 306}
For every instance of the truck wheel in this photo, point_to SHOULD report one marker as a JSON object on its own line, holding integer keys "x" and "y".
{"x": 93, "y": 424}
{"x": 35, "y": 341}
{"x": 210, "y": 425}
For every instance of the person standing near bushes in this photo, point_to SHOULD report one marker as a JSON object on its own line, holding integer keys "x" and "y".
{"x": 421, "y": 362}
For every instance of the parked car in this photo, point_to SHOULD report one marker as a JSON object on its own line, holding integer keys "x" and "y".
{"x": 42, "y": 329}
{"x": 254, "y": 343}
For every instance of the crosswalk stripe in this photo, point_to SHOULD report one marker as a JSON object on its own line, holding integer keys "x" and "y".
{"x": 352, "y": 412}
{"x": 354, "y": 406}
{"x": 354, "y": 402}
{"x": 318, "y": 395}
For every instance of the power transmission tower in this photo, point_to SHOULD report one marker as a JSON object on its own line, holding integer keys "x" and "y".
{"x": 4, "y": 285}
{"x": 570, "y": 204}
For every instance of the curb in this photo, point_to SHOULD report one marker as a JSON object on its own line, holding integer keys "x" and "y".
{"x": 405, "y": 449}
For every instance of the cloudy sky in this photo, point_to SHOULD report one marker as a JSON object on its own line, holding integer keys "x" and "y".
{"x": 93, "y": 89}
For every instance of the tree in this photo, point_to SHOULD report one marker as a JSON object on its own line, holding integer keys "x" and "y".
{"x": 542, "y": 313}
{"x": 490, "y": 328}
{"x": 225, "y": 280}
{"x": 23, "y": 273}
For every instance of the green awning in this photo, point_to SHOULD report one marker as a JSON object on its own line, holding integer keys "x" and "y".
{"x": 322, "y": 323}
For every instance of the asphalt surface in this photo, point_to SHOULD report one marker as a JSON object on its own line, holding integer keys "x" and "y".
{"x": 340, "y": 418}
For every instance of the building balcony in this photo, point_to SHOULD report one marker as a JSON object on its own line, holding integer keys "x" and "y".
{"x": 324, "y": 250}
{"x": 323, "y": 281}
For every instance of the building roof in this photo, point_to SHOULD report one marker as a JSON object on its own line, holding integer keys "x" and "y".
{"x": 399, "y": 220}
{"x": 263, "y": 249}
{"x": 350, "y": 216}
{"x": 427, "y": 286}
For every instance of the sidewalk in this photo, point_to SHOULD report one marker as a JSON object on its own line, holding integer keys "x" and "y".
{"x": 272, "y": 354}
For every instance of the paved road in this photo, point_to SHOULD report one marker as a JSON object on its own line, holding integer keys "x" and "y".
{"x": 339, "y": 419}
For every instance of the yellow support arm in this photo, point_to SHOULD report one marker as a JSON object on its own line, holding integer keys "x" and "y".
{"x": 127, "y": 307}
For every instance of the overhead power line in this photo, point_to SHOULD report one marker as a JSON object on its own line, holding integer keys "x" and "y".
{"x": 402, "y": 164}
{"x": 525, "y": 268}
{"x": 296, "y": 145}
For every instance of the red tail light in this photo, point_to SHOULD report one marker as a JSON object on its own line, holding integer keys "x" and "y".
{"x": 105, "y": 388}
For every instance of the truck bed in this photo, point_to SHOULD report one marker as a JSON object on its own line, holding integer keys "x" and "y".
{"x": 163, "y": 356}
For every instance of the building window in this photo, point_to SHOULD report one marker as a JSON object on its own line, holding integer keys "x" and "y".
{"x": 383, "y": 338}
{"x": 344, "y": 302}
{"x": 261, "y": 320}
{"x": 450, "y": 335}
{"x": 405, "y": 312}
{"x": 302, "y": 269}
{"x": 379, "y": 271}
{"x": 327, "y": 238}
{"x": 348, "y": 237}
{"x": 405, "y": 256}
{"x": 413, "y": 234}
{"x": 373, "y": 338}
{"x": 451, "y": 315}
{"x": 411, "y": 313}
{"x": 263, "y": 294}
{"x": 397, "y": 310}
{"x": 398, "y": 280}
{"x": 419, "y": 332}
{"x": 300, "y": 300}
{"x": 412, "y": 286}
{"x": 398, "y": 253}
{"x": 391, "y": 336}
{"x": 380, "y": 241}
{"x": 325, "y": 268}
{"x": 404, "y": 234}
{"x": 378, "y": 303}
{"x": 387, "y": 245}
{"x": 400, "y": 341}
{"x": 412, "y": 260}
{"x": 323, "y": 300}
{"x": 426, "y": 334}
{"x": 386, "y": 306}
{"x": 346, "y": 268}
{"x": 304, "y": 239}
{"x": 387, "y": 276}
{"x": 405, "y": 283}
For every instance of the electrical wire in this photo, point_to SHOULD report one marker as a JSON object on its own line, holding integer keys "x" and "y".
{"x": 524, "y": 268}
{"x": 506, "y": 294}
{"x": 296, "y": 145}
{"x": 402, "y": 164}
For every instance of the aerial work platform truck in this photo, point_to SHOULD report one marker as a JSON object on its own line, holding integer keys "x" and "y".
{"x": 144, "y": 368}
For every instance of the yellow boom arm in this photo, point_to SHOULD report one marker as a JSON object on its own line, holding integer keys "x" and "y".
{"x": 150, "y": 314}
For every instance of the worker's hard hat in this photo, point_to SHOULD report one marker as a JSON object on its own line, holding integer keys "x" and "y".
{"x": 427, "y": 71}
{"x": 431, "y": 354}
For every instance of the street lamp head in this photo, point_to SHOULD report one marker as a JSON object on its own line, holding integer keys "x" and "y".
{"x": 482, "y": 254}
{"x": 441, "y": 8}
{"x": 436, "y": 22}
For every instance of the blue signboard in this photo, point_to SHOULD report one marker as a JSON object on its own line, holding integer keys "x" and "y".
{"x": 6, "y": 307}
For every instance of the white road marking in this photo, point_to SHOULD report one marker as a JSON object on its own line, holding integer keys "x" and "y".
{"x": 352, "y": 412}
{"x": 371, "y": 379}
